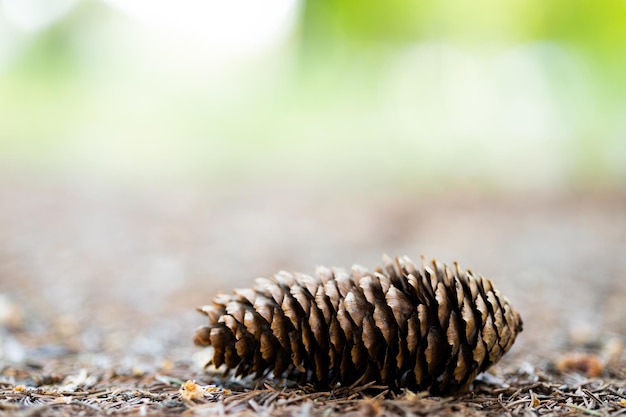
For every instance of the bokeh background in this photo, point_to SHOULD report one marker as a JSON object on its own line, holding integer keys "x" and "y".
{"x": 153, "y": 153}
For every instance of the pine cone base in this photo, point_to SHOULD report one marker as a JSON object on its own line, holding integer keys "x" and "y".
{"x": 430, "y": 328}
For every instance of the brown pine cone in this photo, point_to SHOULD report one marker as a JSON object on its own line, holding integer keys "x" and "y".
{"x": 431, "y": 328}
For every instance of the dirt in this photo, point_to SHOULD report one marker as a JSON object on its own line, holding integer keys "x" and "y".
{"x": 98, "y": 286}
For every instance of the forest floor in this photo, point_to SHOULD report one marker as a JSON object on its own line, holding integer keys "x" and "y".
{"x": 99, "y": 284}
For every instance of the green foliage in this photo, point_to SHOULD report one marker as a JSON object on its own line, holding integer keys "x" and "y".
{"x": 358, "y": 84}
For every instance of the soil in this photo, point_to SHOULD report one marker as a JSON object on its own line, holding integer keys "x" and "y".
{"x": 99, "y": 284}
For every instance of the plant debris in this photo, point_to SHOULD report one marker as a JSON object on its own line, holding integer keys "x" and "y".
{"x": 586, "y": 363}
{"x": 520, "y": 389}
{"x": 190, "y": 391}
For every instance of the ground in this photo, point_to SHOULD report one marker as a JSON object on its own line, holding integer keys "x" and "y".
{"x": 99, "y": 284}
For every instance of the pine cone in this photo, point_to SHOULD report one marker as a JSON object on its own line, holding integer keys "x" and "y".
{"x": 431, "y": 328}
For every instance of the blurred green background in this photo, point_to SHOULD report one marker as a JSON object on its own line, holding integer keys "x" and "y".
{"x": 350, "y": 94}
